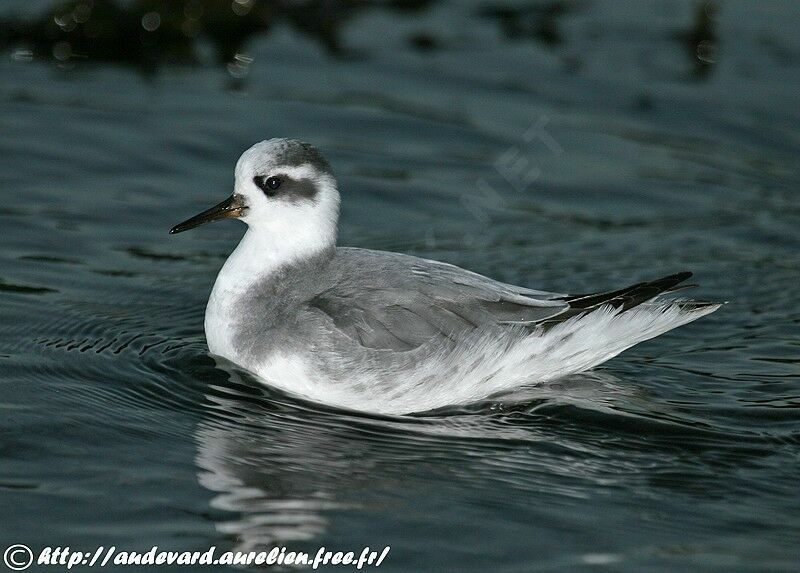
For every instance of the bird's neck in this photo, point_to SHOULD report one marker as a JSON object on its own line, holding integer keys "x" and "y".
{"x": 258, "y": 258}
{"x": 263, "y": 252}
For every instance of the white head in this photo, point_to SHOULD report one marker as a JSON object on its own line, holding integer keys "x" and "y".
{"x": 286, "y": 193}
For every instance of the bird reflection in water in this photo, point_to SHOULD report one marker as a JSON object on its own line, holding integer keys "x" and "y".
{"x": 284, "y": 467}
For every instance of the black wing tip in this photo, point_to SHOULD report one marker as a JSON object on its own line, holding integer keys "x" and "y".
{"x": 630, "y": 296}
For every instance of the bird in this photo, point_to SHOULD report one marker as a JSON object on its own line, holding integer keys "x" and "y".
{"x": 391, "y": 333}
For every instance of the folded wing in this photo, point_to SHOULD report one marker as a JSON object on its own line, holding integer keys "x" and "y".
{"x": 390, "y": 301}
{"x": 397, "y": 302}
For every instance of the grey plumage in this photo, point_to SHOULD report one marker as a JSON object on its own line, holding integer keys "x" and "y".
{"x": 389, "y": 301}
{"x": 294, "y": 153}
{"x": 383, "y": 301}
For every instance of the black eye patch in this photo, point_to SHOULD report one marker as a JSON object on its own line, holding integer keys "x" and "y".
{"x": 286, "y": 188}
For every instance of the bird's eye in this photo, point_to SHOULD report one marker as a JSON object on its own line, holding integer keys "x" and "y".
{"x": 268, "y": 184}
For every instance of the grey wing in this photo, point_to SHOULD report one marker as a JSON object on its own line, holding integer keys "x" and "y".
{"x": 398, "y": 302}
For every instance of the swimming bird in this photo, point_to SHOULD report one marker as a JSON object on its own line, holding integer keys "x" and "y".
{"x": 388, "y": 332}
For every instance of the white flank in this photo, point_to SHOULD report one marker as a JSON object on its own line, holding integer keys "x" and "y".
{"x": 482, "y": 364}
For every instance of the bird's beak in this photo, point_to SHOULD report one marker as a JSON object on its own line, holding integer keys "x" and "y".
{"x": 233, "y": 206}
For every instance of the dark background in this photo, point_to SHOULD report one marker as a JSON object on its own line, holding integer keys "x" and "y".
{"x": 564, "y": 145}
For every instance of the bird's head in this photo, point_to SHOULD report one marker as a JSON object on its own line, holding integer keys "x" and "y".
{"x": 284, "y": 190}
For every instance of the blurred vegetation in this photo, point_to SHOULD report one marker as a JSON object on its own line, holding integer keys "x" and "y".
{"x": 148, "y": 33}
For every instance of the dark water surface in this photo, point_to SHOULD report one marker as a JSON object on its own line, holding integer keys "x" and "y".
{"x": 565, "y": 146}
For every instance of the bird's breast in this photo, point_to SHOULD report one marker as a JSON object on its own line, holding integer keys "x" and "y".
{"x": 220, "y": 325}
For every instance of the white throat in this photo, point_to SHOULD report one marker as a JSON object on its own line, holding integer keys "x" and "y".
{"x": 258, "y": 255}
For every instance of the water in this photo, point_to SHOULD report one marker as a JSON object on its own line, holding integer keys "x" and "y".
{"x": 567, "y": 146}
